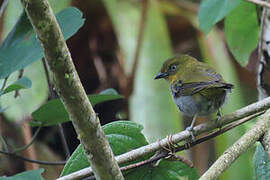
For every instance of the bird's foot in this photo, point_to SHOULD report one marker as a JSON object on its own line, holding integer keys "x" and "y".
{"x": 170, "y": 147}
{"x": 190, "y": 129}
{"x": 219, "y": 126}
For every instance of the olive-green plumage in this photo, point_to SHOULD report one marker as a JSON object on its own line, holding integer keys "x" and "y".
{"x": 196, "y": 88}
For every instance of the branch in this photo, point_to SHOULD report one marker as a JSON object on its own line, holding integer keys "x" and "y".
{"x": 264, "y": 59}
{"x": 52, "y": 95}
{"x": 131, "y": 77}
{"x": 260, "y": 3}
{"x": 70, "y": 90}
{"x": 28, "y": 144}
{"x": 14, "y": 155}
{"x": 164, "y": 153}
{"x": 249, "y": 110}
{"x": 239, "y": 147}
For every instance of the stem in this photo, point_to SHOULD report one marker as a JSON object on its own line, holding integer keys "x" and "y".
{"x": 250, "y": 110}
{"x": 238, "y": 148}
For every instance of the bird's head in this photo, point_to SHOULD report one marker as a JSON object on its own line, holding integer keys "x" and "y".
{"x": 172, "y": 68}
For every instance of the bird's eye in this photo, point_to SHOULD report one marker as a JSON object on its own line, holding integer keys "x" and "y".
{"x": 173, "y": 67}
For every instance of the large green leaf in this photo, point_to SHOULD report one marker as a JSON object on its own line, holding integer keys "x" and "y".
{"x": 22, "y": 83}
{"x": 21, "y": 47}
{"x": 212, "y": 11}
{"x": 261, "y": 163}
{"x": 54, "y": 112}
{"x": 149, "y": 95}
{"x": 124, "y": 136}
{"x": 242, "y": 35}
{"x": 26, "y": 175}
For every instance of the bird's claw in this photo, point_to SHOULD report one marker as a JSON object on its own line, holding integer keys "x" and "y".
{"x": 190, "y": 129}
{"x": 170, "y": 147}
{"x": 217, "y": 120}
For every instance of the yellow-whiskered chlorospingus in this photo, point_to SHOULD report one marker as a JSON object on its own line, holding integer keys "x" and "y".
{"x": 196, "y": 88}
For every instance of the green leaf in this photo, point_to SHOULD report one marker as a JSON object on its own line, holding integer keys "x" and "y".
{"x": 122, "y": 136}
{"x": 169, "y": 170}
{"x": 261, "y": 164}
{"x": 22, "y": 83}
{"x": 21, "y": 47}
{"x": 54, "y": 112}
{"x": 212, "y": 11}
{"x": 26, "y": 175}
{"x": 29, "y": 100}
{"x": 109, "y": 91}
{"x": 242, "y": 35}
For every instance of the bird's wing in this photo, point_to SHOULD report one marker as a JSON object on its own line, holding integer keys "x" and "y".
{"x": 188, "y": 89}
{"x": 201, "y": 77}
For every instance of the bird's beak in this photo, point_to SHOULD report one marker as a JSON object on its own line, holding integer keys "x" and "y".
{"x": 161, "y": 75}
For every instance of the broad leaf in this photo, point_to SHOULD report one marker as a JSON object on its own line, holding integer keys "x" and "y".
{"x": 242, "y": 35}
{"x": 29, "y": 99}
{"x": 54, "y": 112}
{"x": 21, "y": 47}
{"x": 169, "y": 170}
{"x": 261, "y": 163}
{"x": 122, "y": 136}
{"x": 22, "y": 83}
{"x": 26, "y": 175}
{"x": 212, "y": 11}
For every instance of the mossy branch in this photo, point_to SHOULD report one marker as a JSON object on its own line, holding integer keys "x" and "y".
{"x": 70, "y": 90}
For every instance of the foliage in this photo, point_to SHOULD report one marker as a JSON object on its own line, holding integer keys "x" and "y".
{"x": 21, "y": 47}
{"x": 212, "y": 11}
{"x": 261, "y": 164}
{"x": 150, "y": 104}
{"x": 124, "y": 136}
{"x": 26, "y": 175}
{"x": 242, "y": 36}
{"x": 53, "y": 112}
{"x": 22, "y": 83}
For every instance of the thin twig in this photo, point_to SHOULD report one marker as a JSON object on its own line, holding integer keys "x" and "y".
{"x": 4, "y": 84}
{"x": 29, "y": 144}
{"x": 4, "y": 143}
{"x": 131, "y": 77}
{"x": 3, "y": 7}
{"x": 19, "y": 76}
{"x": 260, "y": 3}
{"x": 52, "y": 95}
{"x": 64, "y": 140}
{"x": 238, "y": 148}
{"x": 32, "y": 160}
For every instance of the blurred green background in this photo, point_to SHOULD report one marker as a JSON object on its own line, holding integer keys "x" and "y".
{"x": 103, "y": 51}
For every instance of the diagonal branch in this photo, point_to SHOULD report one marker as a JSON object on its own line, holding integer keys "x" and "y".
{"x": 70, "y": 90}
{"x": 260, "y": 3}
{"x": 249, "y": 110}
{"x": 238, "y": 148}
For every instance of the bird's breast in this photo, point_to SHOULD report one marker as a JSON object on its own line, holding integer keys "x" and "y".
{"x": 198, "y": 104}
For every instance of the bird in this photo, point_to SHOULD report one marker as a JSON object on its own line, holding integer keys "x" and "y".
{"x": 196, "y": 88}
